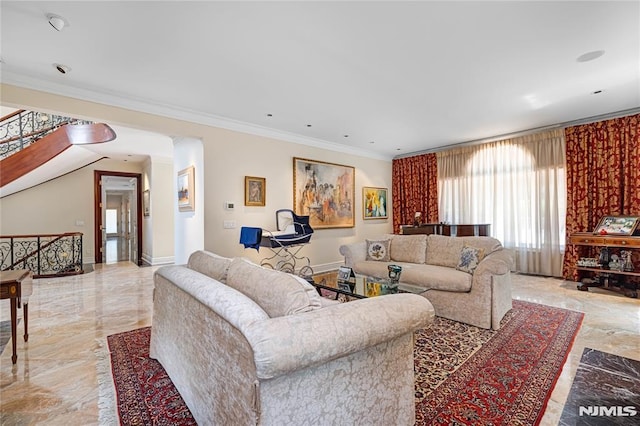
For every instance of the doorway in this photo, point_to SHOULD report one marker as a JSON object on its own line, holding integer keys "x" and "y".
{"x": 118, "y": 215}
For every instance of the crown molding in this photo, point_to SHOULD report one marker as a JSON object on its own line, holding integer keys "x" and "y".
{"x": 120, "y": 100}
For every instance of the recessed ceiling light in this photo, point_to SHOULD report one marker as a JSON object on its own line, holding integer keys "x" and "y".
{"x": 308, "y": 125}
{"x": 62, "y": 69}
{"x": 57, "y": 22}
{"x": 269, "y": 115}
{"x": 590, "y": 56}
{"x": 346, "y": 136}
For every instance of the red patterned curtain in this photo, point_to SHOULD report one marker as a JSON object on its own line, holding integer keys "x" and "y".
{"x": 603, "y": 176}
{"x": 415, "y": 189}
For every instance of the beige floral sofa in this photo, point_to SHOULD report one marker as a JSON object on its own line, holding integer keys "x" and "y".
{"x": 246, "y": 345}
{"x": 467, "y": 279}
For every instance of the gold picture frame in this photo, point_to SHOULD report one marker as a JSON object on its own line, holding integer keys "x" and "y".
{"x": 325, "y": 192}
{"x": 255, "y": 189}
{"x": 375, "y": 202}
{"x": 617, "y": 225}
{"x": 146, "y": 202}
{"x": 186, "y": 190}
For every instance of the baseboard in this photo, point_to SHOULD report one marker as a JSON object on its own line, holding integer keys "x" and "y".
{"x": 154, "y": 261}
{"x": 326, "y": 267}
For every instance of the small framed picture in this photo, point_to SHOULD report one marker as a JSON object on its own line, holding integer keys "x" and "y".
{"x": 254, "y": 191}
{"x": 345, "y": 273}
{"x": 374, "y": 203}
{"x": 186, "y": 190}
{"x": 617, "y": 225}
{"x": 146, "y": 201}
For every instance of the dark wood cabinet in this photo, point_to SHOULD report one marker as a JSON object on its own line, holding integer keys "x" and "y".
{"x": 454, "y": 230}
{"x": 593, "y": 276}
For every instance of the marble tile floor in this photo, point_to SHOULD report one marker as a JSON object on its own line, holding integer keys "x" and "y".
{"x": 55, "y": 380}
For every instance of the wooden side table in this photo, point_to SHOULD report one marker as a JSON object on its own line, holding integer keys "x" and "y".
{"x": 15, "y": 285}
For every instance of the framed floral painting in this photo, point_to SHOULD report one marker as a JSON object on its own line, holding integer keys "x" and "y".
{"x": 374, "y": 203}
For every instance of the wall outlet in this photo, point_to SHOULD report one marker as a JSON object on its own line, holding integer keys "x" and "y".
{"x": 79, "y": 222}
{"x": 229, "y": 205}
{"x": 229, "y": 224}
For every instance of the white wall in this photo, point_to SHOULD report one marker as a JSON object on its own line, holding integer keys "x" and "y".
{"x": 273, "y": 159}
{"x": 158, "y": 244}
{"x": 222, "y": 161}
{"x": 189, "y": 226}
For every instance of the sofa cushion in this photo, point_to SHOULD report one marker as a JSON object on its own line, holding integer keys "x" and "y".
{"x": 209, "y": 264}
{"x": 443, "y": 250}
{"x": 470, "y": 257}
{"x": 430, "y": 277}
{"x": 378, "y": 250}
{"x": 408, "y": 248}
{"x": 276, "y": 292}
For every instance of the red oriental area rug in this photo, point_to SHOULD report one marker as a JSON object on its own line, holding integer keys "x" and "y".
{"x": 464, "y": 374}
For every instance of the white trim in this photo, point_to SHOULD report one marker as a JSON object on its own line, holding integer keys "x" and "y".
{"x": 154, "y": 261}
{"x": 170, "y": 111}
{"x": 326, "y": 267}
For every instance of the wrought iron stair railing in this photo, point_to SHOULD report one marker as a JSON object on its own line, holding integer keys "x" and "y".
{"x": 21, "y": 128}
{"x": 46, "y": 255}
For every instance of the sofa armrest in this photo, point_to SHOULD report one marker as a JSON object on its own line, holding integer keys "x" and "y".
{"x": 354, "y": 253}
{"x": 497, "y": 263}
{"x": 295, "y": 342}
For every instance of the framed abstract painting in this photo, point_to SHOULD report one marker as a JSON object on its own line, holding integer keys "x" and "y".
{"x": 324, "y": 192}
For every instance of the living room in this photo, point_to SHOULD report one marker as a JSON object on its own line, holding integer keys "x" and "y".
{"x": 222, "y": 156}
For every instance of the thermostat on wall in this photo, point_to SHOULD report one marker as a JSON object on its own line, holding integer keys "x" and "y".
{"x": 229, "y": 205}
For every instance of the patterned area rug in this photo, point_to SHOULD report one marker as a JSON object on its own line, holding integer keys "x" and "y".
{"x": 464, "y": 374}
{"x": 467, "y": 375}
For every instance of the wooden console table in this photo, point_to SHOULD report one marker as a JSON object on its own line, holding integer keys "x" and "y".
{"x": 456, "y": 230}
{"x": 605, "y": 276}
{"x": 15, "y": 285}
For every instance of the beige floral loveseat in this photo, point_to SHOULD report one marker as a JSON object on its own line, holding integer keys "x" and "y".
{"x": 467, "y": 279}
{"x": 246, "y": 345}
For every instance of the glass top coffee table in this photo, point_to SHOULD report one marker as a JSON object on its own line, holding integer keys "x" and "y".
{"x": 363, "y": 287}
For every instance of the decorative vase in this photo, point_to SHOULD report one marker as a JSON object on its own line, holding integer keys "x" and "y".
{"x": 604, "y": 258}
{"x": 627, "y": 265}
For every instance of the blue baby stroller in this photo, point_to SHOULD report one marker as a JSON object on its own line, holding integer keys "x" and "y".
{"x": 292, "y": 234}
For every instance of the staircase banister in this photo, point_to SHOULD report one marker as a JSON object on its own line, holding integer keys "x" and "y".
{"x": 58, "y": 237}
{"x": 28, "y": 135}
{"x": 65, "y": 234}
{"x": 13, "y": 114}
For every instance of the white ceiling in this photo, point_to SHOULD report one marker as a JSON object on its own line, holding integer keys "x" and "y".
{"x": 397, "y": 77}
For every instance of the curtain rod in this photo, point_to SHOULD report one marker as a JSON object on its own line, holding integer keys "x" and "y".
{"x": 587, "y": 120}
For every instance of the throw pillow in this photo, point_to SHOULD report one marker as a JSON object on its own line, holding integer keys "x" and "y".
{"x": 470, "y": 257}
{"x": 378, "y": 250}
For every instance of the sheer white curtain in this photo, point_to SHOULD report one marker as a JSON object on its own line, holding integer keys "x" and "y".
{"x": 516, "y": 185}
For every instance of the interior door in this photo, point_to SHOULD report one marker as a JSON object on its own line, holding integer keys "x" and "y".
{"x": 135, "y": 214}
